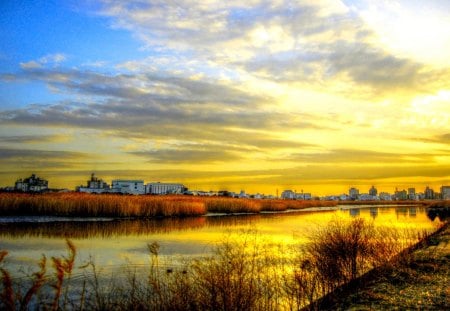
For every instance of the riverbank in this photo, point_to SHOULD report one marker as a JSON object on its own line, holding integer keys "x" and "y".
{"x": 419, "y": 280}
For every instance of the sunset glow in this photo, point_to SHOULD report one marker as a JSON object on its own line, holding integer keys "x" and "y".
{"x": 256, "y": 95}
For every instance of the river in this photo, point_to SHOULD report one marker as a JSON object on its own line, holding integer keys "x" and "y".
{"x": 112, "y": 243}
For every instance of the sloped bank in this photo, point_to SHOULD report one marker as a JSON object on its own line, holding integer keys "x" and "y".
{"x": 417, "y": 278}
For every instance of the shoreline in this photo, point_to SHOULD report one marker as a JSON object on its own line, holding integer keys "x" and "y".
{"x": 418, "y": 278}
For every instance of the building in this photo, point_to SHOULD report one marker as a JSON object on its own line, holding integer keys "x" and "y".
{"x": 288, "y": 194}
{"x": 445, "y": 192}
{"x": 412, "y": 194}
{"x": 401, "y": 195}
{"x": 353, "y": 193}
{"x": 367, "y": 197}
{"x": 384, "y": 196}
{"x": 164, "y": 188}
{"x": 429, "y": 193}
{"x": 95, "y": 185}
{"x": 303, "y": 196}
{"x": 373, "y": 191}
{"x": 243, "y": 195}
{"x": 128, "y": 186}
{"x": 31, "y": 184}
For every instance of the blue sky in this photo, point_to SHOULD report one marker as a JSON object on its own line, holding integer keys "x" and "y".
{"x": 259, "y": 95}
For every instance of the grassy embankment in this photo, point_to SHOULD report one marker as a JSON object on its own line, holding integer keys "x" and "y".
{"x": 244, "y": 273}
{"x": 88, "y": 205}
{"x": 417, "y": 279}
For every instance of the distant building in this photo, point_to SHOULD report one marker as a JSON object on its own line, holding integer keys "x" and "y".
{"x": 445, "y": 192}
{"x": 367, "y": 197}
{"x": 412, "y": 194}
{"x": 31, "y": 184}
{"x": 164, "y": 188}
{"x": 373, "y": 191}
{"x": 288, "y": 194}
{"x": 353, "y": 193}
{"x": 95, "y": 185}
{"x": 303, "y": 196}
{"x": 429, "y": 193}
{"x": 128, "y": 186}
{"x": 384, "y": 196}
{"x": 243, "y": 195}
{"x": 401, "y": 195}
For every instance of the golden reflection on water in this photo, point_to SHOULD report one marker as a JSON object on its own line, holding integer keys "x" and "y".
{"x": 117, "y": 242}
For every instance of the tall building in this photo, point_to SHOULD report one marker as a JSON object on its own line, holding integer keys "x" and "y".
{"x": 445, "y": 192}
{"x": 353, "y": 193}
{"x": 31, "y": 184}
{"x": 373, "y": 191}
{"x": 429, "y": 193}
{"x": 411, "y": 193}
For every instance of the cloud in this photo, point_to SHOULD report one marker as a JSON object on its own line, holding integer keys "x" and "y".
{"x": 32, "y": 139}
{"x": 34, "y": 154}
{"x": 314, "y": 42}
{"x": 30, "y": 65}
{"x": 358, "y": 156}
{"x": 190, "y": 154}
{"x": 53, "y": 59}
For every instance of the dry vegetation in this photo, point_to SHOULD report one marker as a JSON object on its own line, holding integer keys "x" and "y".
{"x": 90, "y": 205}
{"x": 244, "y": 273}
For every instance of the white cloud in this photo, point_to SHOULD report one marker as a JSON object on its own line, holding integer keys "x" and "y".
{"x": 53, "y": 58}
{"x": 30, "y": 65}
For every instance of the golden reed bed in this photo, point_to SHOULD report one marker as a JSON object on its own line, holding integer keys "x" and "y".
{"x": 110, "y": 205}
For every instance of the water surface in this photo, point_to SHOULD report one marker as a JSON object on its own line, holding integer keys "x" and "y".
{"x": 112, "y": 243}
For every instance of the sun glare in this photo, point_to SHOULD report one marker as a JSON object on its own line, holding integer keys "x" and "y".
{"x": 417, "y": 34}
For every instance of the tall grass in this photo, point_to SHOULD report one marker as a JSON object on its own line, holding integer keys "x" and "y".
{"x": 110, "y": 205}
{"x": 244, "y": 273}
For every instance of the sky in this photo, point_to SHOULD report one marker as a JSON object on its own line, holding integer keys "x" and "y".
{"x": 262, "y": 96}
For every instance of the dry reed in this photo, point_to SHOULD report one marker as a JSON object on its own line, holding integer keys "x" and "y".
{"x": 144, "y": 206}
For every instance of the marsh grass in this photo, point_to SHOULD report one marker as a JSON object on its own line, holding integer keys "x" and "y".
{"x": 245, "y": 272}
{"x": 144, "y": 206}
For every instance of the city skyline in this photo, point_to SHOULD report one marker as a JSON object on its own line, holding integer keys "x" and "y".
{"x": 261, "y": 95}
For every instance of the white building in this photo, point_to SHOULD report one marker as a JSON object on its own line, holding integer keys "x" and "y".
{"x": 303, "y": 196}
{"x": 288, "y": 194}
{"x": 164, "y": 188}
{"x": 95, "y": 185}
{"x": 31, "y": 184}
{"x": 242, "y": 194}
{"x": 128, "y": 186}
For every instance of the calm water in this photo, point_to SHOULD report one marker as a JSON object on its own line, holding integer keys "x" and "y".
{"x": 114, "y": 243}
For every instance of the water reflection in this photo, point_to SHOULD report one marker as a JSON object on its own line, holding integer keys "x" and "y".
{"x": 118, "y": 241}
{"x": 354, "y": 212}
{"x": 132, "y": 227}
{"x": 374, "y": 212}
